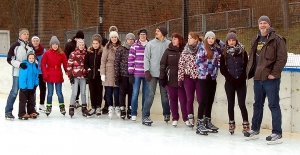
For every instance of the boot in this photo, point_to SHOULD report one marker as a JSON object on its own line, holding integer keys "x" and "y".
{"x": 62, "y": 109}
{"x": 84, "y": 110}
{"x": 71, "y": 110}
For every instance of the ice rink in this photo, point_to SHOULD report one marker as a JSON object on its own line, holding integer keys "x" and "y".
{"x": 62, "y": 135}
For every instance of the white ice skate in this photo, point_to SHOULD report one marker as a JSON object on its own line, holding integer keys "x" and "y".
{"x": 274, "y": 139}
{"x": 118, "y": 111}
{"x": 42, "y": 108}
{"x": 174, "y": 123}
{"x": 251, "y": 135}
{"x": 110, "y": 111}
{"x": 133, "y": 118}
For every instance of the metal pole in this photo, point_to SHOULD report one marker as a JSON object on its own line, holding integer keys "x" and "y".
{"x": 101, "y": 18}
{"x": 185, "y": 21}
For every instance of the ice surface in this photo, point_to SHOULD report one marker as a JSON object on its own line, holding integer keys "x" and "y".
{"x": 62, "y": 135}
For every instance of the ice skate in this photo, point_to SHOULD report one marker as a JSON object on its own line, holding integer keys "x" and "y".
{"x": 187, "y": 123}
{"x": 274, "y": 139}
{"x": 9, "y": 116}
{"x": 98, "y": 111}
{"x": 147, "y": 121}
{"x": 191, "y": 120}
{"x": 123, "y": 112}
{"x": 104, "y": 110}
{"x": 62, "y": 109}
{"x": 129, "y": 113}
{"x": 71, "y": 110}
{"x": 118, "y": 111}
{"x": 251, "y": 135}
{"x": 231, "y": 127}
{"x": 246, "y": 127}
{"x": 24, "y": 117}
{"x": 77, "y": 104}
{"x": 48, "y": 109}
{"x": 211, "y": 128}
{"x": 33, "y": 115}
{"x": 110, "y": 111}
{"x": 91, "y": 113}
{"x": 84, "y": 110}
{"x": 166, "y": 118}
{"x": 42, "y": 108}
{"x": 200, "y": 128}
{"x": 174, "y": 123}
{"x": 133, "y": 118}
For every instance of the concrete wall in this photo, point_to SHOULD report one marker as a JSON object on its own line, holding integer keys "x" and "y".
{"x": 289, "y": 97}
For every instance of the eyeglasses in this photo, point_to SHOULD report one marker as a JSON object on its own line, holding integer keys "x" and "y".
{"x": 130, "y": 39}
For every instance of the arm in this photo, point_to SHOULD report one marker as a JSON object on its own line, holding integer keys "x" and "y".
{"x": 23, "y": 78}
{"x": 36, "y": 81}
{"x": 131, "y": 60}
{"x": 86, "y": 62}
{"x": 103, "y": 61}
{"x": 163, "y": 65}
{"x": 147, "y": 57}
{"x": 181, "y": 64}
{"x": 70, "y": 64}
{"x": 280, "y": 59}
{"x": 44, "y": 62}
{"x": 223, "y": 69}
{"x": 200, "y": 58}
{"x": 11, "y": 56}
{"x": 117, "y": 63}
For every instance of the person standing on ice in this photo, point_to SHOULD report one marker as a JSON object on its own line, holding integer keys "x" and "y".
{"x": 268, "y": 56}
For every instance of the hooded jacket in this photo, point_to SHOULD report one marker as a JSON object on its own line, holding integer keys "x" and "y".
{"x": 29, "y": 77}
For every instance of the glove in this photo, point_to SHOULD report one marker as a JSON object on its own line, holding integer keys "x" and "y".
{"x": 36, "y": 65}
{"x": 148, "y": 76}
{"x": 131, "y": 79}
{"x": 23, "y": 65}
{"x": 163, "y": 82}
{"x": 103, "y": 78}
{"x": 72, "y": 81}
{"x": 180, "y": 83}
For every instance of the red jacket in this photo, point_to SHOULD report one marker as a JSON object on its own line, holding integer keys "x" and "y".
{"x": 51, "y": 66}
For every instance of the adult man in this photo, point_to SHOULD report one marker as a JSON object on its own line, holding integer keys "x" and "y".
{"x": 267, "y": 58}
{"x": 16, "y": 54}
{"x": 153, "y": 53}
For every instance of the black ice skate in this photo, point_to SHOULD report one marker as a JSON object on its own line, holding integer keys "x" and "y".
{"x": 123, "y": 112}
{"x": 166, "y": 118}
{"x": 147, "y": 121}
{"x": 84, "y": 110}
{"x": 231, "y": 127}
{"x": 191, "y": 120}
{"x": 251, "y": 135}
{"x": 48, "y": 109}
{"x": 274, "y": 139}
{"x": 105, "y": 110}
{"x": 211, "y": 128}
{"x": 129, "y": 113}
{"x": 71, "y": 110}
{"x": 9, "y": 116}
{"x": 91, "y": 113}
{"x": 62, "y": 109}
{"x": 200, "y": 128}
{"x": 246, "y": 127}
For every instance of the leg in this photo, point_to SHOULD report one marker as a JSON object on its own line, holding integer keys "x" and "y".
{"x": 258, "y": 106}
{"x": 149, "y": 97}
{"x": 241, "y": 95}
{"x": 135, "y": 95}
{"x": 30, "y": 102}
{"x": 165, "y": 101}
{"x": 12, "y": 95}
{"x": 145, "y": 90}
{"x": 60, "y": 96}
{"x": 129, "y": 92}
{"x": 189, "y": 87}
{"x": 122, "y": 89}
{"x": 204, "y": 91}
{"x": 22, "y": 103}
{"x": 93, "y": 92}
{"x": 183, "y": 103}
{"x": 42, "y": 86}
{"x": 78, "y": 92}
{"x": 74, "y": 91}
{"x": 99, "y": 93}
{"x": 211, "y": 97}
{"x": 82, "y": 87}
{"x": 50, "y": 87}
{"x": 173, "y": 96}
{"x": 108, "y": 95}
{"x": 230, "y": 93}
{"x": 116, "y": 96}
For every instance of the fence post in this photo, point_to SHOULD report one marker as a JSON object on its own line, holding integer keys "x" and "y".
{"x": 168, "y": 27}
{"x": 203, "y": 23}
{"x": 226, "y": 14}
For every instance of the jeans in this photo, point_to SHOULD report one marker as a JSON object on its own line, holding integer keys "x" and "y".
{"x": 262, "y": 89}
{"x": 135, "y": 93}
{"x": 150, "y": 98}
{"x": 109, "y": 91}
{"x": 60, "y": 96}
{"x": 79, "y": 84}
{"x": 12, "y": 95}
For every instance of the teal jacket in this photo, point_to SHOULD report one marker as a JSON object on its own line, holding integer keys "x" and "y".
{"x": 29, "y": 77}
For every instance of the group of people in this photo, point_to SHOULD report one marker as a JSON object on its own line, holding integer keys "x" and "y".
{"x": 181, "y": 69}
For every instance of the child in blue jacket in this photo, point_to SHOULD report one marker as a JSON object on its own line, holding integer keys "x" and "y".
{"x": 28, "y": 81}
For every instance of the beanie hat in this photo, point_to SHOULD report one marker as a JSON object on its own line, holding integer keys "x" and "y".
{"x": 209, "y": 34}
{"x": 54, "y": 40}
{"x": 264, "y": 18}
{"x": 231, "y": 35}
{"x": 23, "y": 31}
{"x": 35, "y": 37}
{"x": 142, "y": 31}
{"x": 79, "y": 34}
{"x": 113, "y": 34}
{"x": 163, "y": 30}
{"x": 79, "y": 41}
{"x": 113, "y": 28}
{"x": 97, "y": 36}
{"x": 130, "y": 35}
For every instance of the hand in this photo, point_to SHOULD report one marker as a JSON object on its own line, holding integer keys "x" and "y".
{"x": 163, "y": 82}
{"x": 148, "y": 76}
{"x": 180, "y": 83}
{"x": 72, "y": 81}
{"x": 131, "y": 78}
{"x": 89, "y": 69}
{"x": 103, "y": 78}
{"x": 271, "y": 77}
{"x": 23, "y": 65}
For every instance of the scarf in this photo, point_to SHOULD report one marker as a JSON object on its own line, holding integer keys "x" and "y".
{"x": 234, "y": 50}
{"x": 193, "y": 48}
{"x": 40, "y": 50}
{"x": 144, "y": 43}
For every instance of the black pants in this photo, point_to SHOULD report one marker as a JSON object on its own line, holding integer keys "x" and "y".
{"x": 241, "y": 91}
{"x": 207, "y": 95}
{"x": 26, "y": 96}
{"x": 96, "y": 88}
{"x": 125, "y": 88}
{"x": 42, "y": 86}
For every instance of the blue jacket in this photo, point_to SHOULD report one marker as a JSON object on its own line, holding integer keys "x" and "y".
{"x": 29, "y": 77}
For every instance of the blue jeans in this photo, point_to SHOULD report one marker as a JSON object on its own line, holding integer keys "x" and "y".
{"x": 109, "y": 91}
{"x": 81, "y": 82}
{"x": 135, "y": 93}
{"x": 12, "y": 95}
{"x": 50, "y": 87}
{"x": 150, "y": 98}
{"x": 262, "y": 89}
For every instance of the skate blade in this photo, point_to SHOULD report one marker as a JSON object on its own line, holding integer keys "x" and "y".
{"x": 251, "y": 138}
{"x": 43, "y": 111}
{"x": 213, "y": 131}
{"x": 202, "y": 133}
{"x": 147, "y": 124}
{"x": 90, "y": 116}
{"x": 11, "y": 119}
{"x": 279, "y": 141}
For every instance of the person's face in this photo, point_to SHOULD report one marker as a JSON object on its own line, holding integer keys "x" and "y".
{"x": 54, "y": 46}
{"x": 210, "y": 40}
{"x": 31, "y": 58}
{"x": 95, "y": 44}
{"x": 25, "y": 36}
{"x": 114, "y": 39}
{"x": 130, "y": 41}
{"x": 81, "y": 46}
{"x": 143, "y": 37}
{"x": 231, "y": 42}
{"x": 264, "y": 27}
{"x": 158, "y": 34}
{"x": 175, "y": 42}
{"x": 192, "y": 41}
{"x": 35, "y": 42}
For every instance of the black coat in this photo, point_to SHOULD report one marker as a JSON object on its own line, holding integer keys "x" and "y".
{"x": 92, "y": 61}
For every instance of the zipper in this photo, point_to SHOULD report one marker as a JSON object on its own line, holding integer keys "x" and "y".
{"x": 94, "y": 65}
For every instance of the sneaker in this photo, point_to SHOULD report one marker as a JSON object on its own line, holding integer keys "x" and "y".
{"x": 42, "y": 108}
{"x": 133, "y": 118}
{"x": 110, "y": 111}
{"x": 118, "y": 111}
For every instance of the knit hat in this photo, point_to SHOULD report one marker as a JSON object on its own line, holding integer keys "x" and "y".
{"x": 113, "y": 34}
{"x": 142, "y": 31}
{"x": 97, "y": 36}
{"x": 264, "y": 18}
{"x": 79, "y": 34}
{"x": 130, "y": 35}
{"x": 79, "y": 41}
{"x": 35, "y": 37}
{"x": 163, "y": 30}
{"x": 113, "y": 28}
{"x": 209, "y": 34}
{"x": 231, "y": 35}
{"x": 54, "y": 40}
{"x": 23, "y": 31}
